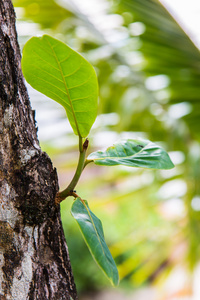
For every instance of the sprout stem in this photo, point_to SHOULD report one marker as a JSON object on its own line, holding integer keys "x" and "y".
{"x": 81, "y": 164}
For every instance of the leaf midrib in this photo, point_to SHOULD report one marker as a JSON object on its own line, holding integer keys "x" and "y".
{"x": 99, "y": 239}
{"x": 68, "y": 95}
{"x": 94, "y": 228}
{"x": 120, "y": 157}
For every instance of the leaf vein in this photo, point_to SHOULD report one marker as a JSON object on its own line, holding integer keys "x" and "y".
{"x": 46, "y": 61}
{"x": 80, "y": 84}
{"x": 45, "y": 50}
{"x": 73, "y": 72}
{"x": 67, "y": 90}
{"x": 36, "y": 67}
{"x": 76, "y": 99}
{"x": 50, "y": 84}
{"x": 94, "y": 228}
{"x": 66, "y": 58}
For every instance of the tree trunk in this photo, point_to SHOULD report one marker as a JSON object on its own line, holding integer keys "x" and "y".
{"x": 34, "y": 260}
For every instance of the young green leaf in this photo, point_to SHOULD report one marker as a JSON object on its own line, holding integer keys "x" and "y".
{"x": 92, "y": 230}
{"x": 133, "y": 153}
{"x": 54, "y": 69}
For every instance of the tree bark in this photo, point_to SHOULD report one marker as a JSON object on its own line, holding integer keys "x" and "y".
{"x": 34, "y": 260}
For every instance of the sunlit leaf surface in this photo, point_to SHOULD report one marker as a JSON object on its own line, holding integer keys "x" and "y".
{"x": 133, "y": 153}
{"x": 62, "y": 74}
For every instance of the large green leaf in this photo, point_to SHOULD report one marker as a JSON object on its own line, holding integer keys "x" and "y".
{"x": 62, "y": 74}
{"x": 133, "y": 153}
{"x": 92, "y": 230}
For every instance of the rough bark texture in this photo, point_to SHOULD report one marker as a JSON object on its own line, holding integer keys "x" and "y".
{"x": 34, "y": 260}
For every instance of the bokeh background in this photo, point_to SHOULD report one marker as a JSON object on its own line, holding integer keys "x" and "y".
{"x": 149, "y": 73}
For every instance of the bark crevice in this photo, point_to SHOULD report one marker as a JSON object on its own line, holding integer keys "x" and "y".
{"x": 34, "y": 259}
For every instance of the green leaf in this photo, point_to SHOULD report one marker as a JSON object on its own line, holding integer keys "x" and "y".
{"x": 92, "y": 230}
{"x": 133, "y": 153}
{"x": 54, "y": 69}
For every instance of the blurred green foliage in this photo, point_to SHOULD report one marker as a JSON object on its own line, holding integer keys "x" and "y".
{"x": 149, "y": 73}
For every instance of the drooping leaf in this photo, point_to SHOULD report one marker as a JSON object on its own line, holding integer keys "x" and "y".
{"x": 133, "y": 153}
{"x": 54, "y": 69}
{"x": 92, "y": 230}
